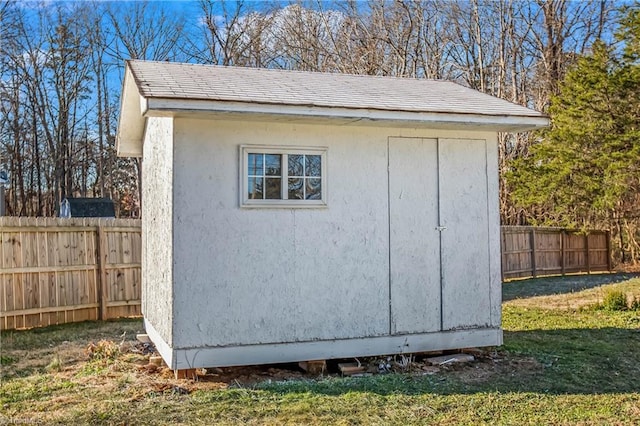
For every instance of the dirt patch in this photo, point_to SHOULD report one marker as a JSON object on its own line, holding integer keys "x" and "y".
{"x": 487, "y": 364}
{"x": 23, "y": 362}
{"x": 495, "y": 364}
{"x": 633, "y": 268}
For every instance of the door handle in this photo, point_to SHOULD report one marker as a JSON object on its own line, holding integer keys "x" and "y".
{"x": 441, "y": 228}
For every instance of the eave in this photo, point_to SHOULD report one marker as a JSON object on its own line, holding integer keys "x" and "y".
{"x": 135, "y": 109}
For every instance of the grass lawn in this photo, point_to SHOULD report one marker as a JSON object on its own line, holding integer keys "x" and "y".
{"x": 562, "y": 362}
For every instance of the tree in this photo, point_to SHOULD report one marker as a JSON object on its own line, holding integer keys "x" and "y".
{"x": 585, "y": 171}
{"x": 62, "y": 63}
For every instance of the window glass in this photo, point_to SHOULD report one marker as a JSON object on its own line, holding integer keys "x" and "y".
{"x": 256, "y": 162}
{"x": 313, "y": 189}
{"x": 312, "y": 165}
{"x": 272, "y": 164}
{"x": 255, "y": 188}
{"x": 296, "y": 165}
{"x": 273, "y": 190}
{"x": 296, "y": 190}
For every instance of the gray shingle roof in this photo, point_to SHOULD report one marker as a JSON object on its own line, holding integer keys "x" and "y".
{"x": 169, "y": 80}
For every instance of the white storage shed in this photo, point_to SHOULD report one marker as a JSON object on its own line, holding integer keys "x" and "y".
{"x": 291, "y": 216}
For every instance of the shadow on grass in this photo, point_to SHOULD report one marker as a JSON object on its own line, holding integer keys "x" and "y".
{"x": 556, "y": 362}
{"x": 83, "y": 332}
{"x": 559, "y": 284}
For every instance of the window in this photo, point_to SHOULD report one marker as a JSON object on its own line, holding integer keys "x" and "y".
{"x": 283, "y": 177}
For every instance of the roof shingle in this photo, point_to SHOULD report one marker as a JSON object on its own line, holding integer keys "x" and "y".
{"x": 169, "y": 80}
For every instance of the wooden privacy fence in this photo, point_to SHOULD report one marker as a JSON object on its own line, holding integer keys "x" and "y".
{"x": 56, "y": 271}
{"x": 533, "y": 251}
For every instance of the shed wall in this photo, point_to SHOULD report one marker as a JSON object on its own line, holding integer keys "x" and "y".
{"x": 157, "y": 225}
{"x": 250, "y": 276}
{"x": 246, "y": 276}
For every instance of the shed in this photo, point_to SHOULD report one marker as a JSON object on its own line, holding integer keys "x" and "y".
{"x": 296, "y": 216}
{"x": 87, "y": 207}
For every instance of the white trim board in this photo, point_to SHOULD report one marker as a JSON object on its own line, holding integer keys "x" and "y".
{"x": 162, "y": 347}
{"x": 180, "y": 359}
{"x": 162, "y": 106}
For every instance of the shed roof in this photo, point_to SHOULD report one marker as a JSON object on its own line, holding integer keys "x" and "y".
{"x": 87, "y": 207}
{"x": 165, "y": 88}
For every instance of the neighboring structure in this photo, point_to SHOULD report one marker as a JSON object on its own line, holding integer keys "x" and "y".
{"x": 297, "y": 216}
{"x": 87, "y": 207}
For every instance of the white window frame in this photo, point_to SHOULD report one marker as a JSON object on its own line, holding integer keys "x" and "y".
{"x": 284, "y": 151}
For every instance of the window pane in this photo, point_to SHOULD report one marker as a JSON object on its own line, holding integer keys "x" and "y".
{"x": 265, "y": 176}
{"x": 313, "y": 189}
{"x": 255, "y": 164}
{"x": 312, "y": 164}
{"x": 295, "y": 165}
{"x": 273, "y": 189}
{"x": 272, "y": 163}
{"x": 295, "y": 189}
{"x": 255, "y": 188}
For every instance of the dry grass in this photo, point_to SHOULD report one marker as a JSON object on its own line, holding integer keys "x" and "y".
{"x": 558, "y": 366}
{"x": 573, "y": 292}
{"x": 32, "y": 351}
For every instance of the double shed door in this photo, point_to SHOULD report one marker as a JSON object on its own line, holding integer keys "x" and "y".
{"x": 439, "y": 275}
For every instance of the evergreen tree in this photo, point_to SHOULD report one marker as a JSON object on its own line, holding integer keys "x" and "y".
{"x": 585, "y": 171}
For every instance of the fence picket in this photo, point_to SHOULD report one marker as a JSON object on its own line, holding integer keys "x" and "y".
{"x": 55, "y": 270}
{"x": 552, "y": 251}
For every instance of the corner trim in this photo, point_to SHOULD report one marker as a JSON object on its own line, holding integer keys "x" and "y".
{"x": 162, "y": 347}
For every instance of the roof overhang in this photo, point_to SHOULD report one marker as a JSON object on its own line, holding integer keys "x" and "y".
{"x": 131, "y": 122}
{"x": 135, "y": 109}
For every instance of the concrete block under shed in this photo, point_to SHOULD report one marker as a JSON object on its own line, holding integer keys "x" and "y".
{"x": 351, "y": 368}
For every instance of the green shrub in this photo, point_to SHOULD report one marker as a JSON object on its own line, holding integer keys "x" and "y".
{"x": 6, "y": 360}
{"x": 615, "y": 300}
{"x": 55, "y": 364}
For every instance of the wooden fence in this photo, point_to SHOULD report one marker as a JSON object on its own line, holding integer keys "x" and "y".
{"x": 534, "y": 251}
{"x": 55, "y": 271}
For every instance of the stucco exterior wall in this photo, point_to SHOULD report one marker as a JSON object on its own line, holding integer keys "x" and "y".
{"x": 157, "y": 226}
{"x": 256, "y": 276}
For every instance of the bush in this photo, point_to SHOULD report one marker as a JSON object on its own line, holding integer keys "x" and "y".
{"x": 615, "y": 300}
{"x": 103, "y": 350}
{"x": 55, "y": 364}
{"x": 635, "y": 304}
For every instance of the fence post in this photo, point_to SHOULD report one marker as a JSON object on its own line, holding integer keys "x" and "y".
{"x": 563, "y": 245}
{"x": 608, "y": 237}
{"x": 502, "y": 256}
{"x": 534, "y": 269}
{"x": 103, "y": 253}
{"x": 586, "y": 246}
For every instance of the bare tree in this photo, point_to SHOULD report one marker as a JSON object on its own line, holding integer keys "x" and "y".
{"x": 48, "y": 82}
{"x": 60, "y": 63}
{"x": 144, "y": 30}
{"x": 561, "y": 30}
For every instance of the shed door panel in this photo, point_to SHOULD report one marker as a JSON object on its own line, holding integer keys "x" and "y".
{"x": 465, "y": 241}
{"x": 414, "y": 245}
